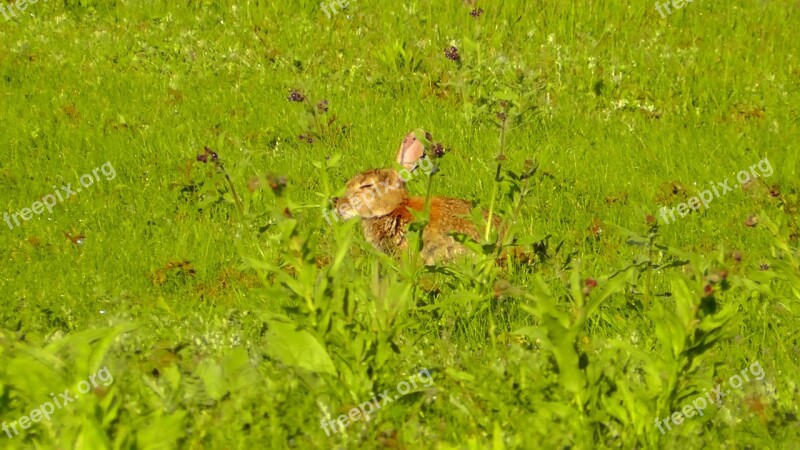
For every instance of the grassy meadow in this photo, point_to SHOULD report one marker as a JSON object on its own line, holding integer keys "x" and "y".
{"x": 193, "y": 295}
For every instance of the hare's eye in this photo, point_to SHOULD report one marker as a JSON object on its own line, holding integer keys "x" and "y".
{"x": 366, "y": 186}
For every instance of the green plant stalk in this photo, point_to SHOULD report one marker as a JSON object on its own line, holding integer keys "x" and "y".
{"x": 426, "y": 208}
{"x": 236, "y": 199}
{"x": 649, "y": 271}
{"x": 514, "y": 215}
{"x": 313, "y": 111}
{"x": 500, "y": 159}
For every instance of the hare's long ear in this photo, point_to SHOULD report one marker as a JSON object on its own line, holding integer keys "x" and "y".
{"x": 411, "y": 150}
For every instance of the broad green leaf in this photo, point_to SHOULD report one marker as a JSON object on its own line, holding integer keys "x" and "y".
{"x": 298, "y": 348}
{"x": 213, "y": 379}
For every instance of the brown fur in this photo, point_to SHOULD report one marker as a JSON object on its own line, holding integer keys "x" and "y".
{"x": 380, "y": 198}
{"x": 388, "y": 233}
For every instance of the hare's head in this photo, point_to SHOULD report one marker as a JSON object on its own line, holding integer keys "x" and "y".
{"x": 378, "y": 192}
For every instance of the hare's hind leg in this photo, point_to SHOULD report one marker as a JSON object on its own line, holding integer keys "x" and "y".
{"x": 441, "y": 249}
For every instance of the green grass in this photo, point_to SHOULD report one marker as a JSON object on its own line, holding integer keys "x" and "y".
{"x": 244, "y": 328}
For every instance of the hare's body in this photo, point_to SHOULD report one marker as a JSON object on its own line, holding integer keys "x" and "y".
{"x": 388, "y": 233}
{"x": 380, "y": 198}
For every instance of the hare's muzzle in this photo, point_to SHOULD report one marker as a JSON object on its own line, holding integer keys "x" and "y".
{"x": 342, "y": 207}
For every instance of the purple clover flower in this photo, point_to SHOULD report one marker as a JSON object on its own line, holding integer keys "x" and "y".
{"x": 452, "y": 54}
{"x": 208, "y": 153}
{"x": 296, "y": 96}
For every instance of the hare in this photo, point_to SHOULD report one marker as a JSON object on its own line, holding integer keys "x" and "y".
{"x": 380, "y": 198}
